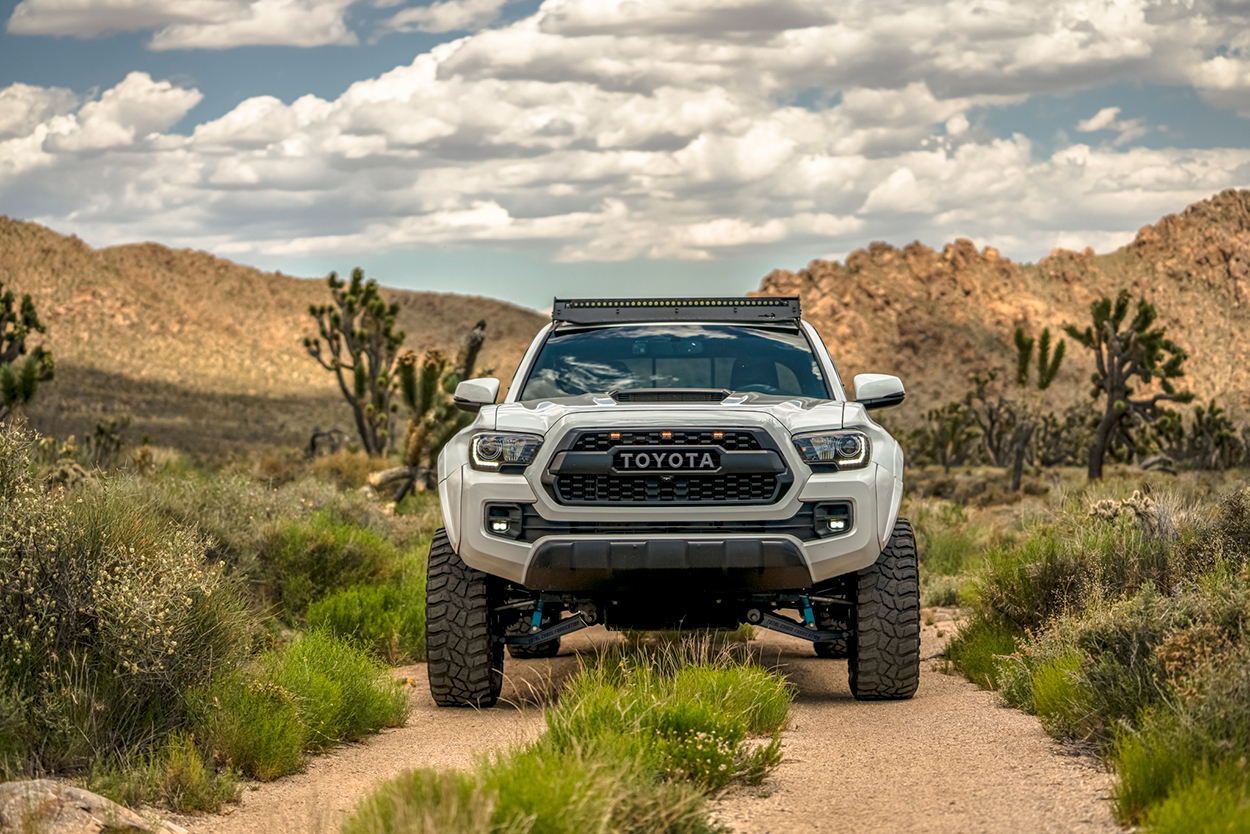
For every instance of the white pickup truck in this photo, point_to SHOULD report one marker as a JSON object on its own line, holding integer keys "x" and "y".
{"x": 673, "y": 463}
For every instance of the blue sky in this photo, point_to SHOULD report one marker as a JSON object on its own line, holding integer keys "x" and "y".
{"x": 583, "y": 147}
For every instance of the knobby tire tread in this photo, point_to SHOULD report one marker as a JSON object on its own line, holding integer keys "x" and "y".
{"x": 884, "y": 661}
{"x": 465, "y": 660}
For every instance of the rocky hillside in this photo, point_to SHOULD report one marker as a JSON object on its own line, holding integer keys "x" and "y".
{"x": 934, "y": 317}
{"x": 203, "y": 353}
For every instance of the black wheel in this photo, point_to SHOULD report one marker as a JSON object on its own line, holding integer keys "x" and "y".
{"x": 884, "y": 659}
{"x": 522, "y": 626}
{"x": 830, "y": 618}
{"x": 465, "y": 660}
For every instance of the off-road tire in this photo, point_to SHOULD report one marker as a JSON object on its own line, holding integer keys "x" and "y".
{"x": 826, "y": 621}
{"x": 522, "y": 626}
{"x": 465, "y": 658}
{"x": 884, "y": 659}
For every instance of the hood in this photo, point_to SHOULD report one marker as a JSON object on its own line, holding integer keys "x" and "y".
{"x": 793, "y": 414}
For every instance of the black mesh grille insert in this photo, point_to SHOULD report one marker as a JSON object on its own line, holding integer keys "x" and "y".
{"x": 601, "y": 441}
{"x": 743, "y": 488}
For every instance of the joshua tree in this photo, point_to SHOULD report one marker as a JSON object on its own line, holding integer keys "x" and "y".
{"x": 951, "y": 435}
{"x": 1123, "y": 352}
{"x": 1008, "y": 419}
{"x": 1047, "y": 368}
{"x": 426, "y": 387}
{"x": 20, "y": 378}
{"x": 994, "y": 414}
{"x": 1213, "y": 439}
{"x": 358, "y": 332}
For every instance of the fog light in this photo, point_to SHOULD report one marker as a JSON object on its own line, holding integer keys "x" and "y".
{"x": 504, "y": 520}
{"x": 833, "y": 519}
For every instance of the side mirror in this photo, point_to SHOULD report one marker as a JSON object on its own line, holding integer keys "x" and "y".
{"x": 472, "y": 394}
{"x": 878, "y": 390}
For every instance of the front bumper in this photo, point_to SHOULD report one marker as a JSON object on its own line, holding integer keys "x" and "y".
{"x": 741, "y": 561}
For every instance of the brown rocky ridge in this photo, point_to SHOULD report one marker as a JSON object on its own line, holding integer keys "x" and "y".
{"x": 934, "y": 317}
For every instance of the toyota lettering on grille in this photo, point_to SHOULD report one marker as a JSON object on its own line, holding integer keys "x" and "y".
{"x": 667, "y": 460}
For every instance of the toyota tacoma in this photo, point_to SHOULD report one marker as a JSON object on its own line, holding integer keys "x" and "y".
{"x": 673, "y": 463}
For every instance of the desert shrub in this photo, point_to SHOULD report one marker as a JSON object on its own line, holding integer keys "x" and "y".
{"x": 388, "y": 620}
{"x": 107, "y": 614}
{"x": 309, "y": 694}
{"x": 639, "y": 738}
{"x": 306, "y": 558}
{"x": 1131, "y": 619}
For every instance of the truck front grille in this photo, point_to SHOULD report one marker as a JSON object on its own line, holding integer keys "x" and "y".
{"x": 731, "y": 488}
{"x": 585, "y": 469}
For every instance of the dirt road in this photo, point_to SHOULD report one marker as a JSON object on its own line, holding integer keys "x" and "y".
{"x": 950, "y": 760}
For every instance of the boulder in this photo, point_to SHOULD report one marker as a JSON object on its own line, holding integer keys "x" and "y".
{"x": 51, "y": 807}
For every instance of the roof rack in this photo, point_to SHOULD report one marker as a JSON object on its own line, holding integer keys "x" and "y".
{"x": 609, "y": 310}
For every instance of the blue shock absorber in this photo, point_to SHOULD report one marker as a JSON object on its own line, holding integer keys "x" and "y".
{"x": 536, "y": 621}
{"x": 809, "y": 616}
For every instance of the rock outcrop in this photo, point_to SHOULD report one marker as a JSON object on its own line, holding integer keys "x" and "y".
{"x": 49, "y": 807}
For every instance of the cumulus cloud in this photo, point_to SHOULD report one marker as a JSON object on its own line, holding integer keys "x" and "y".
{"x": 619, "y": 129}
{"x": 23, "y": 107}
{"x": 191, "y": 24}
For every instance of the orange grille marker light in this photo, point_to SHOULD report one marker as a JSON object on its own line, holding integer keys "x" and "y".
{"x": 718, "y": 435}
{"x": 616, "y": 435}
{"x": 667, "y": 435}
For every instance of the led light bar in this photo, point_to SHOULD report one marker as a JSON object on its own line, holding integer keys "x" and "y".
{"x": 608, "y": 310}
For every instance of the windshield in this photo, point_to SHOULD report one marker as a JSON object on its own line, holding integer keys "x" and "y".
{"x": 733, "y": 357}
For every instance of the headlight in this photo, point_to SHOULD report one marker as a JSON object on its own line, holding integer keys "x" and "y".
{"x": 493, "y": 451}
{"x": 835, "y": 449}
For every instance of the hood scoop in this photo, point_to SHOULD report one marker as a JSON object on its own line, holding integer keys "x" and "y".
{"x": 670, "y": 395}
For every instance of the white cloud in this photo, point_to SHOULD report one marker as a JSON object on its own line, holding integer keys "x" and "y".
{"x": 23, "y": 107}
{"x": 1108, "y": 119}
{"x": 135, "y": 109}
{"x": 618, "y": 129}
{"x": 446, "y": 16}
{"x": 191, "y": 24}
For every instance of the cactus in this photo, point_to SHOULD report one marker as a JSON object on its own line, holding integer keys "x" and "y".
{"x": 358, "y": 342}
{"x": 21, "y": 372}
{"x": 1122, "y": 352}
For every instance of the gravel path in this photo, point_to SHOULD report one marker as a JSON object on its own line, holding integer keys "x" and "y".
{"x": 950, "y": 760}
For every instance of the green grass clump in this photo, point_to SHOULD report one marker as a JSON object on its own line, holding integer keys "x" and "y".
{"x": 313, "y": 693}
{"x": 640, "y": 737}
{"x": 978, "y": 648}
{"x": 388, "y": 620}
{"x": 176, "y": 774}
{"x": 1210, "y": 803}
{"x": 304, "y": 559}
